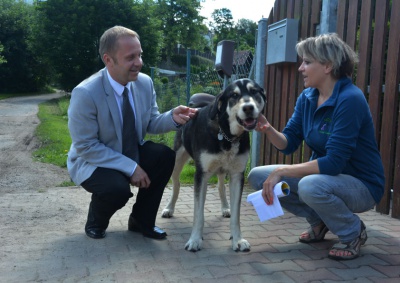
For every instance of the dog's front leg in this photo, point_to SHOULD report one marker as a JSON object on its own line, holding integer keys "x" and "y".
{"x": 236, "y": 190}
{"x": 200, "y": 190}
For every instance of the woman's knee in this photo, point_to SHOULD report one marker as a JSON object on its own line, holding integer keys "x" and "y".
{"x": 258, "y": 175}
{"x": 253, "y": 177}
{"x": 310, "y": 189}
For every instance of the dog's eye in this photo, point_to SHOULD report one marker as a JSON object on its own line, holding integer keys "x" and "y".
{"x": 253, "y": 90}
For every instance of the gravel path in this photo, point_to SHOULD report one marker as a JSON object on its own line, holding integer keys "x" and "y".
{"x": 19, "y": 173}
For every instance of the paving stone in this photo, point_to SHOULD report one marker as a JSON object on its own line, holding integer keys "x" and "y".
{"x": 317, "y": 275}
{"x": 275, "y": 277}
{"x": 384, "y": 280}
{"x": 389, "y": 270}
{"x": 42, "y": 240}
{"x": 354, "y": 273}
{"x": 270, "y": 268}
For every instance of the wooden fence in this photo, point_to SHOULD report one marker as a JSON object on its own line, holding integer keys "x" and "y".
{"x": 372, "y": 28}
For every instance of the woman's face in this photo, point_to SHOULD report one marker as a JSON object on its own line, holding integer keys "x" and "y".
{"x": 314, "y": 73}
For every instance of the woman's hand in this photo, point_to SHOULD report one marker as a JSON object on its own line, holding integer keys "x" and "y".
{"x": 262, "y": 124}
{"x": 268, "y": 187}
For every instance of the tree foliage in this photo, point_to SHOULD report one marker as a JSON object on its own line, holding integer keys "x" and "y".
{"x": 70, "y": 39}
{"x": 2, "y": 59}
{"x": 222, "y": 24}
{"x": 224, "y": 28}
{"x": 56, "y": 41}
{"x": 20, "y": 71}
{"x": 181, "y": 24}
{"x": 246, "y": 34}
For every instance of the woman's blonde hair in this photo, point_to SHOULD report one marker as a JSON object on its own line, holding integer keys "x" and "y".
{"x": 329, "y": 48}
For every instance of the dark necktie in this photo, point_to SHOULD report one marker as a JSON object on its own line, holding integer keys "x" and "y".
{"x": 130, "y": 140}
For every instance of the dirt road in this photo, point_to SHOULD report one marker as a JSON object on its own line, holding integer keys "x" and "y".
{"x": 18, "y": 172}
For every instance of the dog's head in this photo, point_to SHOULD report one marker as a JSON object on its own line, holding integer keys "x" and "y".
{"x": 242, "y": 101}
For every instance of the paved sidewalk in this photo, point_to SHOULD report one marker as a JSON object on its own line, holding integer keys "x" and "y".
{"x": 42, "y": 240}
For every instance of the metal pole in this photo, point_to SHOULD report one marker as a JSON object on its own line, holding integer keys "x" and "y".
{"x": 328, "y": 16}
{"x": 226, "y": 82}
{"x": 187, "y": 76}
{"x": 152, "y": 73}
{"x": 259, "y": 78}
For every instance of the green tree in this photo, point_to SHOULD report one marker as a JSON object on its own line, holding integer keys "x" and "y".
{"x": 246, "y": 34}
{"x": 20, "y": 68}
{"x": 181, "y": 24}
{"x": 69, "y": 31}
{"x": 222, "y": 25}
{"x": 224, "y": 28}
{"x": 2, "y": 59}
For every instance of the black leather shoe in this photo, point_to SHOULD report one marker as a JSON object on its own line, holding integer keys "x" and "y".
{"x": 95, "y": 233}
{"x": 155, "y": 233}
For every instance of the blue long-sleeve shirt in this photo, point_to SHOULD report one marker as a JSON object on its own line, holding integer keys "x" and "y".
{"x": 340, "y": 134}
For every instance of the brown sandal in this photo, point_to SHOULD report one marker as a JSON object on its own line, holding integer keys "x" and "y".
{"x": 313, "y": 238}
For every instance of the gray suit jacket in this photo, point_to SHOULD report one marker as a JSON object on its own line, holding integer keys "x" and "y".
{"x": 95, "y": 125}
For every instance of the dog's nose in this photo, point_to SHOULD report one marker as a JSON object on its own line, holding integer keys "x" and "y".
{"x": 248, "y": 109}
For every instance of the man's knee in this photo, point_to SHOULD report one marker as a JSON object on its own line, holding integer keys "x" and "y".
{"x": 170, "y": 156}
{"x": 116, "y": 193}
{"x": 117, "y": 199}
{"x": 155, "y": 154}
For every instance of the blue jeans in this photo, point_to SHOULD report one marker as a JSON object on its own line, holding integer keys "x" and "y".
{"x": 330, "y": 199}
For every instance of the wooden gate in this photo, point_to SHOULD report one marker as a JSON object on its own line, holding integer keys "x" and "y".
{"x": 372, "y": 28}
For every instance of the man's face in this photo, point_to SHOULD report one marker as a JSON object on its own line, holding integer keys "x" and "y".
{"x": 127, "y": 62}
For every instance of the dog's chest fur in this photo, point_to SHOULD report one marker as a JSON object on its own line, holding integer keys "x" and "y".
{"x": 225, "y": 161}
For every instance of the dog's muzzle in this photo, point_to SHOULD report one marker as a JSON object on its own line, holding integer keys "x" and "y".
{"x": 249, "y": 123}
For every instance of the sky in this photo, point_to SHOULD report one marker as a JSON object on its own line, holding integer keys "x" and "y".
{"x": 253, "y": 10}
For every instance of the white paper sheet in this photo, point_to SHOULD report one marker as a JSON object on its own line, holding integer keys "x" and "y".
{"x": 264, "y": 211}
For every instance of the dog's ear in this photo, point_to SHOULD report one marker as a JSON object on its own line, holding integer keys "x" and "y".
{"x": 261, "y": 91}
{"x": 264, "y": 96}
{"x": 215, "y": 108}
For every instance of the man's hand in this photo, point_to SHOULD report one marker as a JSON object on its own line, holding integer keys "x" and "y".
{"x": 182, "y": 114}
{"x": 139, "y": 178}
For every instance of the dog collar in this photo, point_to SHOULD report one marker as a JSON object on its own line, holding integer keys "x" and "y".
{"x": 221, "y": 135}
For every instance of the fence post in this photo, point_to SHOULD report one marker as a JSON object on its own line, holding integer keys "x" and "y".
{"x": 187, "y": 76}
{"x": 328, "y": 19}
{"x": 152, "y": 73}
{"x": 259, "y": 78}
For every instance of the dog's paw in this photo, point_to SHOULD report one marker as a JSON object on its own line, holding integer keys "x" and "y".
{"x": 226, "y": 213}
{"x": 167, "y": 213}
{"x": 193, "y": 245}
{"x": 242, "y": 245}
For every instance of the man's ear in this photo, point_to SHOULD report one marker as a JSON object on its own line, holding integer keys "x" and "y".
{"x": 107, "y": 59}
